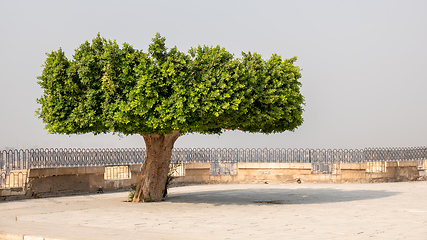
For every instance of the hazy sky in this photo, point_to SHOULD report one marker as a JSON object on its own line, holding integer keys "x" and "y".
{"x": 364, "y": 63}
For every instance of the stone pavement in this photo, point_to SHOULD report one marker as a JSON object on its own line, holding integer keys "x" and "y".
{"x": 243, "y": 211}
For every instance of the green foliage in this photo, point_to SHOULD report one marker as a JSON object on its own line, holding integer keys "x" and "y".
{"x": 132, "y": 193}
{"x": 108, "y": 88}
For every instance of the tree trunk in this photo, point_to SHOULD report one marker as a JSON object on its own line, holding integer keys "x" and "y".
{"x": 154, "y": 172}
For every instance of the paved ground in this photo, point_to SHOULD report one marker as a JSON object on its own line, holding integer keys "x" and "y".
{"x": 285, "y": 211}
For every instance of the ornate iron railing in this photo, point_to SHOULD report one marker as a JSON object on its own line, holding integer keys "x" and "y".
{"x": 49, "y": 158}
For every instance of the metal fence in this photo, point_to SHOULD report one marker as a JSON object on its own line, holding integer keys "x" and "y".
{"x": 50, "y": 158}
{"x": 321, "y": 159}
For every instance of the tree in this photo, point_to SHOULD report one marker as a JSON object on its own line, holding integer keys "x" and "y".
{"x": 164, "y": 94}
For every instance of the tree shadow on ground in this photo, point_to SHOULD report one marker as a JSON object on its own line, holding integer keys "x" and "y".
{"x": 277, "y": 196}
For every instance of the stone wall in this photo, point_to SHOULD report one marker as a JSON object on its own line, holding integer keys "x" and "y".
{"x": 74, "y": 180}
{"x": 77, "y": 180}
{"x": 301, "y": 172}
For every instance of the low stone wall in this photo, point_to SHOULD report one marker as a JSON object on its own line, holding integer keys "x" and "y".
{"x": 77, "y": 180}
{"x": 301, "y": 172}
{"x": 72, "y": 179}
{"x": 57, "y": 181}
{"x": 121, "y": 182}
{"x": 14, "y": 183}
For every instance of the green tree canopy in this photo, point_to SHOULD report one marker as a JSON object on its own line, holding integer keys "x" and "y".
{"x": 108, "y": 88}
{"x": 165, "y": 93}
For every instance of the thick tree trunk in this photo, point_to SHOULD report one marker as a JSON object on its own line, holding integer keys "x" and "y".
{"x": 154, "y": 172}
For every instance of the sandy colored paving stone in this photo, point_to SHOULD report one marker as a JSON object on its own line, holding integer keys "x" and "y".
{"x": 294, "y": 211}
